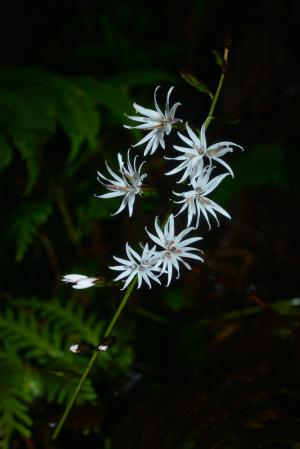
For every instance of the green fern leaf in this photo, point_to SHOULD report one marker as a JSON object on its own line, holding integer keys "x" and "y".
{"x": 24, "y": 224}
{"x": 58, "y": 389}
{"x": 113, "y": 98}
{"x": 22, "y": 332}
{"x": 14, "y": 412}
{"x": 69, "y": 319}
{"x": 41, "y": 333}
{"x": 32, "y": 104}
{"x": 43, "y": 345}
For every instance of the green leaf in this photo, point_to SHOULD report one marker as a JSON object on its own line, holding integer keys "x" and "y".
{"x": 193, "y": 81}
{"x": 113, "y": 98}
{"x": 35, "y": 361}
{"x": 29, "y": 148}
{"x": 33, "y": 102}
{"x": 219, "y": 59}
{"x": 14, "y": 400}
{"x": 65, "y": 373}
{"x": 24, "y": 224}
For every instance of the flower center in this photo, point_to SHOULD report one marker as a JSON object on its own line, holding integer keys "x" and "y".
{"x": 126, "y": 189}
{"x": 171, "y": 248}
{"x": 203, "y": 199}
{"x": 189, "y": 156}
{"x": 200, "y": 150}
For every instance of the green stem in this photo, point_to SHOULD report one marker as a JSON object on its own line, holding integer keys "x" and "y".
{"x": 133, "y": 282}
{"x": 218, "y": 90}
{"x": 94, "y": 358}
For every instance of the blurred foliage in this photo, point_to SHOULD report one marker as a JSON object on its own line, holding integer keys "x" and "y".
{"x": 36, "y": 364}
{"x": 24, "y": 224}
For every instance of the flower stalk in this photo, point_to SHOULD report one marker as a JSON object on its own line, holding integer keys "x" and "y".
{"x": 94, "y": 358}
{"x": 172, "y": 248}
{"x": 218, "y": 90}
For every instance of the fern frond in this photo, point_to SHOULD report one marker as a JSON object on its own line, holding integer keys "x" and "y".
{"x": 21, "y": 331}
{"x": 40, "y": 333}
{"x": 33, "y": 102}
{"x": 26, "y": 331}
{"x": 59, "y": 389}
{"x": 70, "y": 320}
{"x": 14, "y": 412}
{"x": 24, "y": 223}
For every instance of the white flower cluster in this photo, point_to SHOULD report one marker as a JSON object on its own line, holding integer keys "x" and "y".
{"x": 172, "y": 250}
{"x": 195, "y": 166}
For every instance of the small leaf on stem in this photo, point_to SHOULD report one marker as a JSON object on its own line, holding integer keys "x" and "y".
{"x": 106, "y": 343}
{"x": 219, "y": 58}
{"x": 193, "y": 81}
{"x": 65, "y": 373}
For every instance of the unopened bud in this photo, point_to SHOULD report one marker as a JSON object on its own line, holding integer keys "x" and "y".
{"x": 106, "y": 343}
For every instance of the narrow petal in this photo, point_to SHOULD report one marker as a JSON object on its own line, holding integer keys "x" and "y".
{"x": 123, "y": 261}
{"x": 111, "y": 194}
{"x": 137, "y": 118}
{"x": 203, "y": 210}
{"x": 213, "y": 183}
{"x": 144, "y": 139}
{"x": 156, "y": 104}
{"x": 219, "y": 209}
{"x": 224, "y": 165}
{"x": 172, "y": 111}
{"x": 130, "y": 278}
{"x": 193, "y": 136}
{"x": 191, "y": 256}
{"x": 155, "y": 239}
{"x": 188, "y": 141}
{"x": 122, "y": 207}
{"x": 158, "y": 229}
{"x": 147, "y": 112}
{"x": 170, "y": 226}
{"x": 203, "y": 137}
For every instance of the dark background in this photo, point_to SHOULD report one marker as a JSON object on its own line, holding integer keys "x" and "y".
{"x": 213, "y": 359}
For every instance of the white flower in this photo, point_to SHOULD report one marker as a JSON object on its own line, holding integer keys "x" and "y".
{"x": 156, "y": 122}
{"x": 195, "y": 200}
{"x": 174, "y": 248}
{"x": 141, "y": 266}
{"x": 79, "y": 280}
{"x": 128, "y": 184}
{"x": 192, "y": 155}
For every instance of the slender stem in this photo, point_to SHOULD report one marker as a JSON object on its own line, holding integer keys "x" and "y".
{"x": 218, "y": 90}
{"x": 133, "y": 282}
{"x": 94, "y": 358}
{"x": 123, "y": 303}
